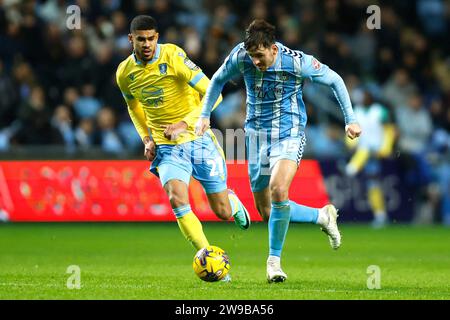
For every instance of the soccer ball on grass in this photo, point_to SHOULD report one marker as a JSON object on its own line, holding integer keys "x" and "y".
{"x": 211, "y": 264}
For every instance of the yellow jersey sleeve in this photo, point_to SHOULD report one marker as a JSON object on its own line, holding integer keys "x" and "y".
{"x": 194, "y": 76}
{"x": 122, "y": 82}
{"x": 186, "y": 70}
{"x": 135, "y": 109}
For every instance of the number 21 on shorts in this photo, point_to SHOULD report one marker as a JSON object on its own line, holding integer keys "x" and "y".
{"x": 216, "y": 166}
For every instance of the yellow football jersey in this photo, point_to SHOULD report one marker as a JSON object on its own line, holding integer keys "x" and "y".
{"x": 165, "y": 91}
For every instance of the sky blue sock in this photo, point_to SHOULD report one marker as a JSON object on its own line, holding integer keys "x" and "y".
{"x": 303, "y": 214}
{"x": 278, "y": 226}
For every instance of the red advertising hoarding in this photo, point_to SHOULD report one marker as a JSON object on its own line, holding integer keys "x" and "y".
{"x": 121, "y": 191}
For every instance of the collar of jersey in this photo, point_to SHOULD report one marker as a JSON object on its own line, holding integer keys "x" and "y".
{"x": 155, "y": 57}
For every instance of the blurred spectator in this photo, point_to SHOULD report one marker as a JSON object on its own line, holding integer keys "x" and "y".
{"x": 52, "y": 11}
{"x": 78, "y": 63}
{"x": 130, "y": 137}
{"x": 87, "y": 105}
{"x": 62, "y": 122}
{"x": 192, "y": 43}
{"x": 84, "y": 133}
{"x": 107, "y": 136}
{"x": 415, "y": 129}
{"x": 163, "y": 11}
{"x": 231, "y": 111}
{"x": 34, "y": 116}
{"x": 363, "y": 46}
{"x": 103, "y": 70}
{"x": 120, "y": 23}
{"x": 439, "y": 157}
{"x": 24, "y": 79}
{"x": 439, "y": 114}
{"x": 399, "y": 88}
{"x": 415, "y": 126}
{"x": 8, "y": 98}
{"x": 326, "y": 140}
{"x": 432, "y": 16}
{"x": 70, "y": 96}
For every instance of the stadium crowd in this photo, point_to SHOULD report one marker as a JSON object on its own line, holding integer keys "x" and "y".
{"x": 57, "y": 86}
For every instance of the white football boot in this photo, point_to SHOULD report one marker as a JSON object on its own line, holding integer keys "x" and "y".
{"x": 274, "y": 272}
{"x": 330, "y": 226}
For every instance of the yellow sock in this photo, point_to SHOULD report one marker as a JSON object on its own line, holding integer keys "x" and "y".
{"x": 376, "y": 200}
{"x": 190, "y": 227}
{"x": 388, "y": 141}
{"x": 359, "y": 159}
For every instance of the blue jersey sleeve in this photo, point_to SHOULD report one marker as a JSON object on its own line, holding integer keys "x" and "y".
{"x": 227, "y": 71}
{"x": 317, "y": 72}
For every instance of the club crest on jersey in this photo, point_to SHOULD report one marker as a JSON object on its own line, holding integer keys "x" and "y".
{"x": 131, "y": 77}
{"x": 190, "y": 64}
{"x": 316, "y": 64}
{"x": 163, "y": 68}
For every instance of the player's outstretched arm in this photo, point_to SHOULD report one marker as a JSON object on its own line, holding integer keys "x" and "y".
{"x": 201, "y": 87}
{"x": 320, "y": 73}
{"x": 212, "y": 93}
{"x": 226, "y": 72}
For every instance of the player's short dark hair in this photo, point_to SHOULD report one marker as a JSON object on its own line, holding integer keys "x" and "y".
{"x": 258, "y": 33}
{"x": 143, "y": 22}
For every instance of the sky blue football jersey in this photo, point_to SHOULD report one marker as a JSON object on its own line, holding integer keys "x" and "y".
{"x": 274, "y": 97}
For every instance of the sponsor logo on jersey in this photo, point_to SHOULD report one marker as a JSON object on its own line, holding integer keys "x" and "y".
{"x": 190, "y": 64}
{"x": 270, "y": 92}
{"x": 153, "y": 96}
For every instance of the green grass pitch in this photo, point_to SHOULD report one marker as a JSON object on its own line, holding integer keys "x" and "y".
{"x": 153, "y": 261}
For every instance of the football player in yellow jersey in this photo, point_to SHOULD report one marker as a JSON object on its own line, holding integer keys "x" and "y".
{"x": 163, "y": 89}
{"x": 370, "y": 149}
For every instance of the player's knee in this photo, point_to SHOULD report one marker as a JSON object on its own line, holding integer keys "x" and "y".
{"x": 279, "y": 192}
{"x": 177, "y": 199}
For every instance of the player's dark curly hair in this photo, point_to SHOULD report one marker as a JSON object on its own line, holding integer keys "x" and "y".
{"x": 259, "y": 32}
{"x": 143, "y": 22}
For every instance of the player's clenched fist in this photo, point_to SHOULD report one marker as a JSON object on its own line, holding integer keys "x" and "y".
{"x": 353, "y": 130}
{"x": 201, "y": 126}
{"x": 149, "y": 149}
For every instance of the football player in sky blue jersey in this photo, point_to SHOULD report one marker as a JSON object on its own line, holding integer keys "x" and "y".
{"x": 274, "y": 126}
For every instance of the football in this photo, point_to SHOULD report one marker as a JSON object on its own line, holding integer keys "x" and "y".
{"x": 211, "y": 264}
